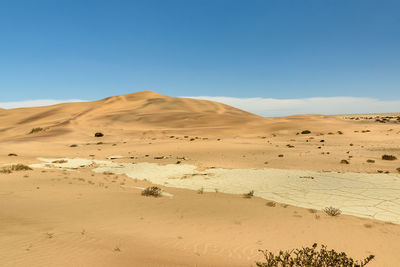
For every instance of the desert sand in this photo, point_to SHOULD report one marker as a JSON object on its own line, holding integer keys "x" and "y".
{"x": 89, "y": 211}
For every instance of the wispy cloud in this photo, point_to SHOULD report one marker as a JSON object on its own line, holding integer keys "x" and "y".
{"x": 35, "y": 103}
{"x": 316, "y": 105}
{"x": 270, "y": 106}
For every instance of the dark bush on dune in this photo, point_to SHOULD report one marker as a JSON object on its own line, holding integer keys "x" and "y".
{"x": 153, "y": 191}
{"x": 388, "y": 157}
{"x": 36, "y": 130}
{"x": 311, "y": 257}
{"x": 306, "y": 132}
{"x": 98, "y": 134}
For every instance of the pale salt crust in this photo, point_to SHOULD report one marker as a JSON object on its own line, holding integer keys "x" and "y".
{"x": 360, "y": 194}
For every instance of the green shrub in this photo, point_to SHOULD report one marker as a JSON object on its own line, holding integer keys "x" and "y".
{"x": 306, "y": 132}
{"x": 311, "y": 257}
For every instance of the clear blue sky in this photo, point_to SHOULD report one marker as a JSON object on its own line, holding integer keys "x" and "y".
{"x": 279, "y": 49}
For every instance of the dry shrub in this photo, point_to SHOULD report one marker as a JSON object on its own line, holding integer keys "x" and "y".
{"x": 153, "y": 191}
{"x": 311, "y": 257}
{"x": 36, "y": 130}
{"x": 331, "y": 211}
{"x": 249, "y": 194}
{"x": 388, "y": 157}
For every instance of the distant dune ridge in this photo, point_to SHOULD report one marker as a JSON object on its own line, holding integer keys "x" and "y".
{"x": 145, "y": 111}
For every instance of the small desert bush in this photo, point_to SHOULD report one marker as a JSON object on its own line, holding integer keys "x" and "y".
{"x": 60, "y": 161}
{"x": 271, "y": 204}
{"x": 398, "y": 169}
{"x": 306, "y": 132}
{"x": 5, "y": 170}
{"x": 98, "y": 134}
{"x": 370, "y": 161}
{"x": 311, "y": 257}
{"x": 388, "y": 157}
{"x": 331, "y": 211}
{"x": 343, "y": 161}
{"x": 36, "y": 130}
{"x": 153, "y": 191}
{"x": 249, "y": 194}
{"x": 20, "y": 167}
{"x": 15, "y": 167}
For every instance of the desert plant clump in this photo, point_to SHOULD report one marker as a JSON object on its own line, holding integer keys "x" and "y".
{"x": 271, "y": 204}
{"x": 306, "y": 132}
{"x": 15, "y": 167}
{"x": 5, "y": 170}
{"x": 98, "y": 134}
{"x": 388, "y": 157}
{"x": 12, "y": 155}
{"x": 311, "y": 257}
{"x": 153, "y": 191}
{"x": 343, "y": 161}
{"x": 398, "y": 169}
{"x": 370, "y": 161}
{"x": 60, "y": 161}
{"x": 249, "y": 194}
{"x": 20, "y": 167}
{"x": 36, "y": 130}
{"x": 331, "y": 211}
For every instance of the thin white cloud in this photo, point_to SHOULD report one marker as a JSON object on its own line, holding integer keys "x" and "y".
{"x": 35, "y": 103}
{"x": 270, "y": 107}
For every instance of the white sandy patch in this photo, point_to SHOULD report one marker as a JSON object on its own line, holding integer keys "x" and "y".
{"x": 360, "y": 194}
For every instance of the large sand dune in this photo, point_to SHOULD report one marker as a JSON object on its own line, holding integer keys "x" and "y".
{"x": 76, "y": 217}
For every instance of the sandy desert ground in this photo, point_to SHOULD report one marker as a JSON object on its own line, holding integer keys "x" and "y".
{"x": 61, "y": 214}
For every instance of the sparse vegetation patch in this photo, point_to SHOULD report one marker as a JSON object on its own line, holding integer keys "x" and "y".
{"x": 36, "y": 130}
{"x": 98, "y": 134}
{"x": 249, "y": 194}
{"x": 60, "y": 161}
{"x": 388, "y": 157}
{"x": 331, "y": 211}
{"x": 153, "y": 191}
{"x": 15, "y": 167}
{"x": 311, "y": 257}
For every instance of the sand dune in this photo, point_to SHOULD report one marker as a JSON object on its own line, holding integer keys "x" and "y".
{"x": 78, "y": 217}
